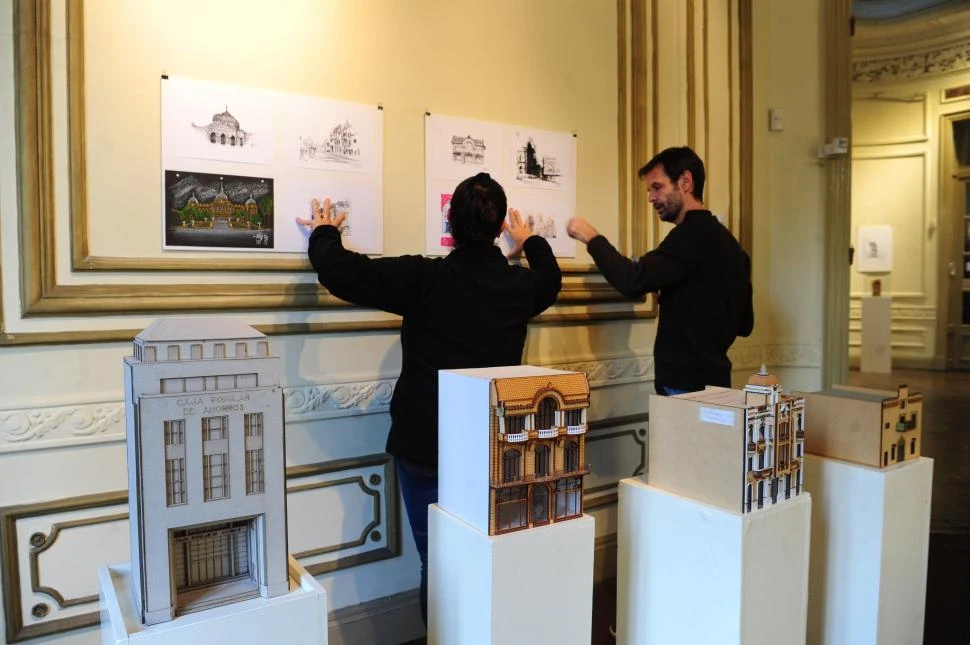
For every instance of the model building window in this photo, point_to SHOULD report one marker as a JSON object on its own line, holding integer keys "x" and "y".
{"x": 542, "y": 460}
{"x": 912, "y": 446}
{"x": 219, "y": 350}
{"x": 574, "y": 417}
{"x": 240, "y": 350}
{"x": 262, "y": 348}
{"x": 568, "y": 497}
{"x": 254, "y": 453}
{"x": 150, "y": 356}
{"x": 196, "y": 352}
{"x": 540, "y": 504}
{"x": 511, "y": 465}
{"x": 175, "y": 463}
{"x": 211, "y": 554}
{"x": 546, "y": 418}
{"x": 514, "y": 424}
{"x": 510, "y": 508}
{"x": 173, "y": 352}
{"x": 215, "y": 457}
{"x": 571, "y": 457}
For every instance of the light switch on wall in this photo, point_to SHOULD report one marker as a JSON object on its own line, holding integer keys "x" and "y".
{"x": 776, "y": 120}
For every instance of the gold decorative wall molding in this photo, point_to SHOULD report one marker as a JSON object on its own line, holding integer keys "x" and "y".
{"x": 43, "y": 295}
{"x": 380, "y": 536}
{"x": 953, "y": 58}
{"x": 56, "y": 426}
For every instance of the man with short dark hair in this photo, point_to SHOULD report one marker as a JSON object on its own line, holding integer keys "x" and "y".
{"x": 701, "y": 274}
{"x": 469, "y": 309}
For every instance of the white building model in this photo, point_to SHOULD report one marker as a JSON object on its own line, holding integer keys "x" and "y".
{"x": 204, "y": 412}
{"x": 741, "y": 450}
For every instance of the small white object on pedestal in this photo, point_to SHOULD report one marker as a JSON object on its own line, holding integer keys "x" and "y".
{"x": 532, "y": 586}
{"x": 877, "y": 354}
{"x": 296, "y": 618}
{"x": 870, "y": 543}
{"x": 688, "y": 572}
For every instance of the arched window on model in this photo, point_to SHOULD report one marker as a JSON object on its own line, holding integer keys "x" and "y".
{"x": 212, "y": 137}
{"x": 511, "y": 465}
{"x": 540, "y": 504}
{"x": 546, "y": 417}
{"x": 222, "y": 139}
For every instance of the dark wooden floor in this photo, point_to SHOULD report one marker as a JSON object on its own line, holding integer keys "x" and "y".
{"x": 946, "y": 438}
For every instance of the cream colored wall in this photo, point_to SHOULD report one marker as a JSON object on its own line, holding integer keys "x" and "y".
{"x": 896, "y": 182}
{"x": 788, "y": 190}
{"x": 60, "y": 434}
{"x": 548, "y": 64}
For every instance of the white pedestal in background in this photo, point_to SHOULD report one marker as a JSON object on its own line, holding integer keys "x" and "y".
{"x": 691, "y": 573}
{"x": 870, "y": 543}
{"x": 877, "y": 354}
{"x": 297, "y": 618}
{"x": 530, "y": 586}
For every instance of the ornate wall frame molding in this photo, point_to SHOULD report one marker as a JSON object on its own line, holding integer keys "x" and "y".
{"x": 381, "y": 487}
{"x": 42, "y": 295}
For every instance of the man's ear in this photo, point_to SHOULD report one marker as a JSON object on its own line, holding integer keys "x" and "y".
{"x": 686, "y": 182}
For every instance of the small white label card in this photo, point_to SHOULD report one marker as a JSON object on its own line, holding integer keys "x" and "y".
{"x": 720, "y": 417}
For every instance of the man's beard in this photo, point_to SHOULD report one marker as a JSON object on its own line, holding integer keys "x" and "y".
{"x": 670, "y": 209}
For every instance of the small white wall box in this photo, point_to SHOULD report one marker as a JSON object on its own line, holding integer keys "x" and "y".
{"x": 877, "y": 428}
{"x": 511, "y": 445}
{"x": 740, "y": 450}
{"x": 204, "y": 412}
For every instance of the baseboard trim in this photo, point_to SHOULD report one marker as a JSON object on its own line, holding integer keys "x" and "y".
{"x": 396, "y": 619}
{"x": 604, "y": 558}
{"x": 385, "y": 621}
{"x": 908, "y": 363}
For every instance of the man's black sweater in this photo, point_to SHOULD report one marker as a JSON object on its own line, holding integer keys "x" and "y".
{"x": 703, "y": 277}
{"x": 469, "y": 309}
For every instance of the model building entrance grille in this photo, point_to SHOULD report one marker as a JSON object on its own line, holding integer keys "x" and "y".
{"x": 211, "y": 554}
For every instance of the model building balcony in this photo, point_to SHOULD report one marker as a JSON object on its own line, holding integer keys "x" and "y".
{"x": 548, "y": 433}
{"x": 515, "y": 437}
{"x": 576, "y": 429}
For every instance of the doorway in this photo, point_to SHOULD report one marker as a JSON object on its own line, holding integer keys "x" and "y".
{"x": 955, "y": 251}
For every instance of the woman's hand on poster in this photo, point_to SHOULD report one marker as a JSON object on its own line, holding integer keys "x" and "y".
{"x": 519, "y": 231}
{"x": 321, "y": 215}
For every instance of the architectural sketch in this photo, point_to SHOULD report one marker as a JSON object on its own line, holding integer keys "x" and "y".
{"x": 340, "y": 146}
{"x": 877, "y": 428}
{"x": 875, "y": 249}
{"x": 204, "y": 413}
{"x": 530, "y": 166}
{"x": 223, "y": 211}
{"x": 738, "y": 449}
{"x": 538, "y": 450}
{"x": 224, "y": 130}
{"x": 543, "y": 226}
{"x": 468, "y": 150}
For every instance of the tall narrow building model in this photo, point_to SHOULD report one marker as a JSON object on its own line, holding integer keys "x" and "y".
{"x": 738, "y": 449}
{"x": 204, "y": 412}
{"x": 512, "y": 449}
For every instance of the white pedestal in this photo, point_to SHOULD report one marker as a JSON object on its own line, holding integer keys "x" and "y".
{"x": 870, "y": 542}
{"x": 877, "y": 355}
{"x": 296, "y": 618}
{"x": 692, "y": 573}
{"x": 530, "y": 586}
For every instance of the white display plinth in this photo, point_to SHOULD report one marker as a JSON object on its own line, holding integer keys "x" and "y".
{"x": 877, "y": 354}
{"x": 692, "y": 573}
{"x": 530, "y": 586}
{"x": 870, "y": 542}
{"x": 296, "y": 618}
